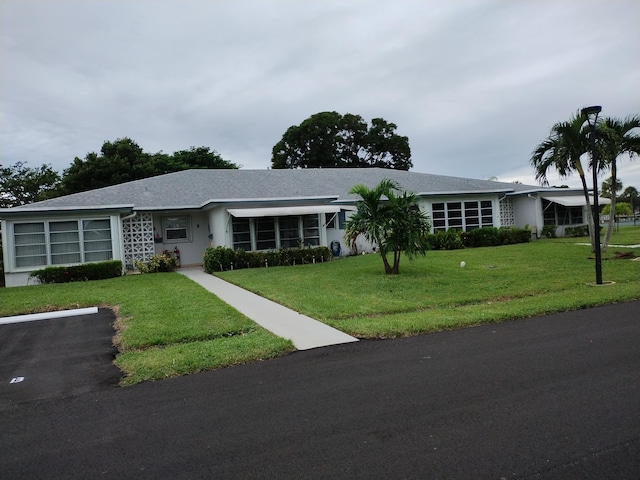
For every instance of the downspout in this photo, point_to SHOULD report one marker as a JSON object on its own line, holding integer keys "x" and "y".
{"x": 129, "y": 216}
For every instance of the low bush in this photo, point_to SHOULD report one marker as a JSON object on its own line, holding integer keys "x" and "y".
{"x": 579, "y": 231}
{"x": 218, "y": 259}
{"x": 513, "y": 235}
{"x": 549, "y": 231}
{"x": 449, "y": 240}
{"x": 79, "y": 273}
{"x": 482, "y": 237}
{"x": 158, "y": 263}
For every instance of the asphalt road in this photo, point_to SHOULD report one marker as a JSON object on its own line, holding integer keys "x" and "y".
{"x": 555, "y": 397}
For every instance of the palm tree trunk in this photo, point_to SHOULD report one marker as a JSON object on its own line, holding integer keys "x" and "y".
{"x": 592, "y": 228}
{"x": 387, "y": 267}
{"x": 612, "y": 210}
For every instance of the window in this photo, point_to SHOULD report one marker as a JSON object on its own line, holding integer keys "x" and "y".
{"x": 267, "y": 233}
{"x": 30, "y": 244}
{"x": 556, "y": 214}
{"x": 97, "y": 240}
{"x": 177, "y": 228}
{"x": 62, "y": 242}
{"x": 311, "y": 230}
{"x": 241, "y": 234}
{"x": 289, "y": 232}
{"x": 465, "y": 216}
{"x": 64, "y": 239}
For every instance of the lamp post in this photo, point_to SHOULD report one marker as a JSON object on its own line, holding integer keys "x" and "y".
{"x": 591, "y": 114}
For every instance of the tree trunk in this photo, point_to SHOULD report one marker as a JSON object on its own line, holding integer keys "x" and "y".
{"x": 396, "y": 262}
{"x": 592, "y": 229}
{"x": 387, "y": 267}
{"x": 612, "y": 210}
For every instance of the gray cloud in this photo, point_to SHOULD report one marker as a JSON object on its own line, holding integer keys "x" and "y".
{"x": 474, "y": 85}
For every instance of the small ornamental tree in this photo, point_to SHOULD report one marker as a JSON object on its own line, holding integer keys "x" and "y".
{"x": 390, "y": 219}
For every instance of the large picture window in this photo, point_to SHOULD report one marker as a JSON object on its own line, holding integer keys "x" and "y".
{"x": 61, "y": 242}
{"x": 556, "y": 214}
{"x": 465, "y": 216}
{"x": 268, "y": 233}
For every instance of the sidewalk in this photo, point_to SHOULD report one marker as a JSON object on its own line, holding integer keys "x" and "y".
{"x": 305, "y": 332}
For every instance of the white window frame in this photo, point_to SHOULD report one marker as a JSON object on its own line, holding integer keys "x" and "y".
{"x": 453, "y": 218}
{"x": 49, "y": 254}
{"x": 175, "y": 219}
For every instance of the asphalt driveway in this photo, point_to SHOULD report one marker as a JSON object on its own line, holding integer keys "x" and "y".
{"x": 57, "y": 358}
{"x": 554, "y": 397}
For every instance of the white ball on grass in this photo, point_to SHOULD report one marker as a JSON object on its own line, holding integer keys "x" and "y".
{"x": 462, "y": 264}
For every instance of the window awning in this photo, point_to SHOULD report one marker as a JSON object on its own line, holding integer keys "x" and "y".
{"x": 576, "y": 200}
{"x": 282, "y": 211}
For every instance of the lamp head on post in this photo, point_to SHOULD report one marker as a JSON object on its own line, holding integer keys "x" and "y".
{"x": 591, "y": 113}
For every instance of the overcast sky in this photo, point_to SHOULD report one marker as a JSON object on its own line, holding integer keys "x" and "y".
{"x": 475, "y": 85}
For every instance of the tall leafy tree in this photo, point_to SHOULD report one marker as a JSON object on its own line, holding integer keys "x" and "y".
{"x": 198, "y": 157}
{"x": 617, "y": 138}
{"x": 120, "y": 161}
{"x": 393, "y": 221}
{"x": 562, "y": 151}
{"x": 631, "y": 196}
{"x": 123, "y": 160}
{"x": 329, "y": 139}
{"x": 607, "y": 185}
{"x": 20, "y": 184}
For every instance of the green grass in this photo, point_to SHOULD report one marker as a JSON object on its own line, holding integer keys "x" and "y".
{"x": 435, "y": 293}
{"x": 167, "y": 325}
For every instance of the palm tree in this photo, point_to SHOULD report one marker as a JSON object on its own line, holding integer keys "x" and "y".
{"x": 562, "y": 151}
{"x": 392, "y": 222}
{"x": 617, "y": 137}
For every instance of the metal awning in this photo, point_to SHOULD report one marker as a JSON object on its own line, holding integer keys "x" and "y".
{"x": 282, "y": 211}
{"x": 576, "y": 200}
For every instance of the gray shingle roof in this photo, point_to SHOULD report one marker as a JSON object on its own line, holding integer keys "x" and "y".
{"x": 196, "y": 188}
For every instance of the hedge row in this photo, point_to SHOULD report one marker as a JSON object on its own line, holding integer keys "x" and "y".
{"x": 79, "y": 273}
{"x": 223, "y": 258}
{"x": 480, "y": 237}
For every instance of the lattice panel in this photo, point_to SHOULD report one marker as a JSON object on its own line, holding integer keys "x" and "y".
{"x": 507, "y": 214}
{"x": 137, "y": 233}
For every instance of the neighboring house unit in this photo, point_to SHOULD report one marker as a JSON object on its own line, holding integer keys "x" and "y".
{"x": 190, "y": 210}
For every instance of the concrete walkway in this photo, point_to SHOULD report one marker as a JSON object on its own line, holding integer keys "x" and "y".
{"x": 305, "y": 332}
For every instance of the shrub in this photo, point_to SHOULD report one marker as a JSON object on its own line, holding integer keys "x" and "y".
{"x": 157, "y": 263}
{"x": 224, "y": 258}
{"x": 483, "y": 237}
{"x": 513, "y": 235}
{"x": 449, "y": 240}
{"x": 549, "y": 231}
{"x": 579, "y": 231}
{"x": 79, "y": 273}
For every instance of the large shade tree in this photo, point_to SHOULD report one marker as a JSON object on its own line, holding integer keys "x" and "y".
{"x": 20, "y": 184}
{"x": 391, "y": 220}
{"x": 123, "y": 160}
{"x": 329, "y": 139}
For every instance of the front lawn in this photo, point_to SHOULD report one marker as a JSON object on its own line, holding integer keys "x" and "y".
{"x": 435, "y": 293}
{"x": 167, "y": 325}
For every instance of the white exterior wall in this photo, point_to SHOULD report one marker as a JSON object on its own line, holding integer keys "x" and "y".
{"x": 528, "y": 211}
{"x": 191, "y": 249}
{"x": 220, "y": 226}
